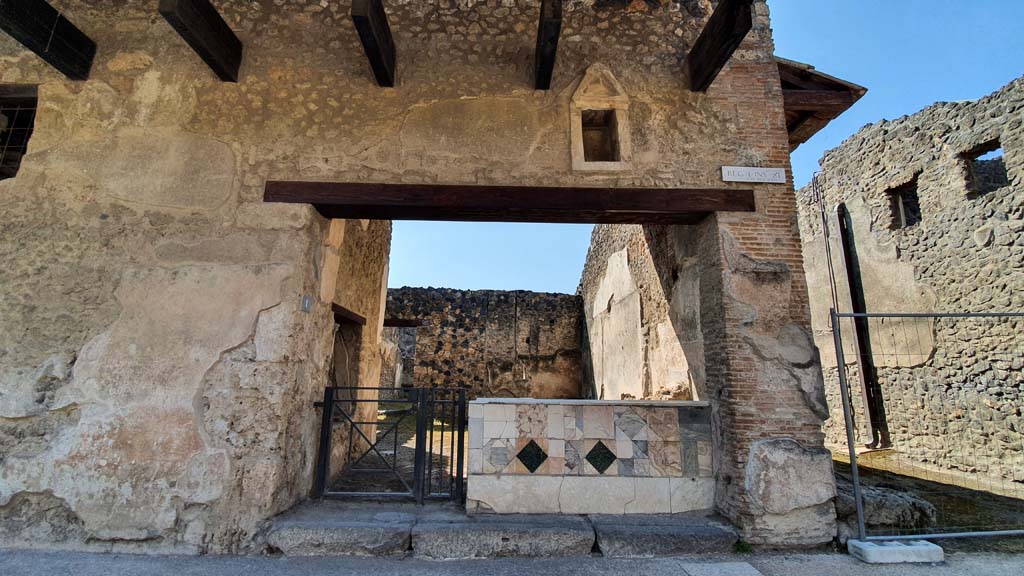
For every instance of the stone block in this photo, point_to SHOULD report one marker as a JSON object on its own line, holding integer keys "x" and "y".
{"x": 502, "y": 536}
{"x": 647, "y": 536}
{"x": 343, "y": 529}
{"x": 897, "y": 552}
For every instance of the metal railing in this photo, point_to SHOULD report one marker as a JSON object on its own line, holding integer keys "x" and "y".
{"x": 939, "y": 399}
{"x": 392, "y": 442}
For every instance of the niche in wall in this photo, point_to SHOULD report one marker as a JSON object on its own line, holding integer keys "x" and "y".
{"x": 599, "y": 121}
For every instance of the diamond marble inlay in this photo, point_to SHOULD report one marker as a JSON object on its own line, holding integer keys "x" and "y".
{"x": 532, "y": 456}
{"x": 600, "y": 457}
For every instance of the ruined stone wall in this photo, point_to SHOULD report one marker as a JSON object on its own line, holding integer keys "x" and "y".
{"x": 943, "y": 380}
{"x": 499, "y": 344}
{"x": 156, "y": 307}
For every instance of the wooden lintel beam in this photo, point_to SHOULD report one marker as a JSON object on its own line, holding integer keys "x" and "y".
{"x": 817, "y": 100}
{"x": 42, "y": 29}
{"x": 722, "y": 35}
{"x": 402, "y": 323}
{"x": 343, "y": 315}
{"x": 203, "y": 28}
{"x": 548, "y": 30}
{"x": 510, "y": 203}
{"x": 371, "y": 22}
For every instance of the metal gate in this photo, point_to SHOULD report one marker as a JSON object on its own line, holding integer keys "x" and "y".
{"x": 943, "y": 418}
{"x": 392, "y": 443}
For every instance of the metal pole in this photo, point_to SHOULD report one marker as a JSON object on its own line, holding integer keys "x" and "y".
{"x": 848, "y": 416}
{"x": 977, "y": 534}
{"x": 323, "y": 458}
{"x": 460, "y": 486}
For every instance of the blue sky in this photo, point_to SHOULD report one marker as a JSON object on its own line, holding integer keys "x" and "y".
{"x": 908, "y": 53}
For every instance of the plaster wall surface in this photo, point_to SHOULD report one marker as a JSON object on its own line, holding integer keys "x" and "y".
{"x": 165, "y": 332}
{"x": 949, "y": 385}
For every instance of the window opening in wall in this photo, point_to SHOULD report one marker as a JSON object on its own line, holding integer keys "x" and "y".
{"x": 904, "y": 205}
{"x": 17, "y": 120}
{"x": 600, "y": 136}
{"x": 986, "y": 169}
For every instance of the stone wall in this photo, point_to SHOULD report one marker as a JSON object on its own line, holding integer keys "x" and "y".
{"x": 499, "y": 344}
{"x": 175, "y": 329}
{"x": 399, "y": 356}
{"x": 589, "y": 457}
{"x": 953, "y": 388}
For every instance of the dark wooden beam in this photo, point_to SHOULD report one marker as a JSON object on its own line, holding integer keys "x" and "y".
{"x": 547, "y": 42}
{"x": 510, "y": 203}
{"x": 722, "y": 35}
{"x": 402, "y": 323}
{"x": 372, "y": 25}
{"x": 817, "y": 100}
{"x": 343, "y": 315}
{"x": 42, "y": 29}
{"x": 199, "y": 23}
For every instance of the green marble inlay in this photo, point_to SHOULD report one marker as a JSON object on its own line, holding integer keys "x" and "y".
{"x": 532, "y": 456}
{"x": 600, "y": 457}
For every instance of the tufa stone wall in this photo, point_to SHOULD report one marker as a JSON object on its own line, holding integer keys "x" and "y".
{"x": 953, "y": 389}
{"x": 163, "y": 332}
{"x": 499, "y": 344}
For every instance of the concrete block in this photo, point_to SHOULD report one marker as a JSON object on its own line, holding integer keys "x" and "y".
{"x": 895, "y": 552}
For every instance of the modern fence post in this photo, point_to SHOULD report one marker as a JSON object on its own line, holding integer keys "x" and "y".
{"x": 421, "y": 445}
{"x": 844, "y": 391}
{"x": 323, "y": 458}
{"x": 460, "y": 481}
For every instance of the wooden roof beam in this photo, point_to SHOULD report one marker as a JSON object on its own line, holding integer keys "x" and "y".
{"x": 371, "y": 22}
{"x": 203, "y": 28}
{"x": 472, "y": 203}
{"x": 817, "y": 100}
{"x": 722, "y": 35}
{"x": 42, "y": 29}
{"x": 548, "y": 30}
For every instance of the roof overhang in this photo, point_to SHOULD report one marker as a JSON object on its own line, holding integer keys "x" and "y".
{"x": 812, "y": 99}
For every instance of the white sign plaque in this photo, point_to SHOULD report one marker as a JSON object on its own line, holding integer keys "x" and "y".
{"x": 751, "y": 174}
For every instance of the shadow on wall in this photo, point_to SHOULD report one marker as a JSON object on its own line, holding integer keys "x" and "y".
{"x": 642, "y": 297}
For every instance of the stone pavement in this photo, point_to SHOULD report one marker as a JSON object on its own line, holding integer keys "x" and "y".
{"x": 31, "y": 563}
{"x": 444, "y": 532}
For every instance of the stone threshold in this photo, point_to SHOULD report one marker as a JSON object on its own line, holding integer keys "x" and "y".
{"x": 576, "y": 402}
{"x": 444, "y": 532}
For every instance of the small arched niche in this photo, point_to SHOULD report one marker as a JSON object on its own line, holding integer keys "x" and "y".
{"x": 599, "y": 120}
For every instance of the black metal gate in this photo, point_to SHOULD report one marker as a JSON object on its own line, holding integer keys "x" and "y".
{"x": 392, "y": 442}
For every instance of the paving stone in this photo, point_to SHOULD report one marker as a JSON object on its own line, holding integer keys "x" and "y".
{"x": 647, "y": 536}
{"x": 450, "y": 538}
{"x": 720, "y": 569}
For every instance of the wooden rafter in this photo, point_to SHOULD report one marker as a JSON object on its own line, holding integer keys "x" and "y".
{"x": 510, "y": 203}
{"x": 203, "y": 28}
{"x": 548, "y": 30}
{"x": 42, "y": 29}
{"x": 722, "y": 35}
{"x": 371, "y": 22}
